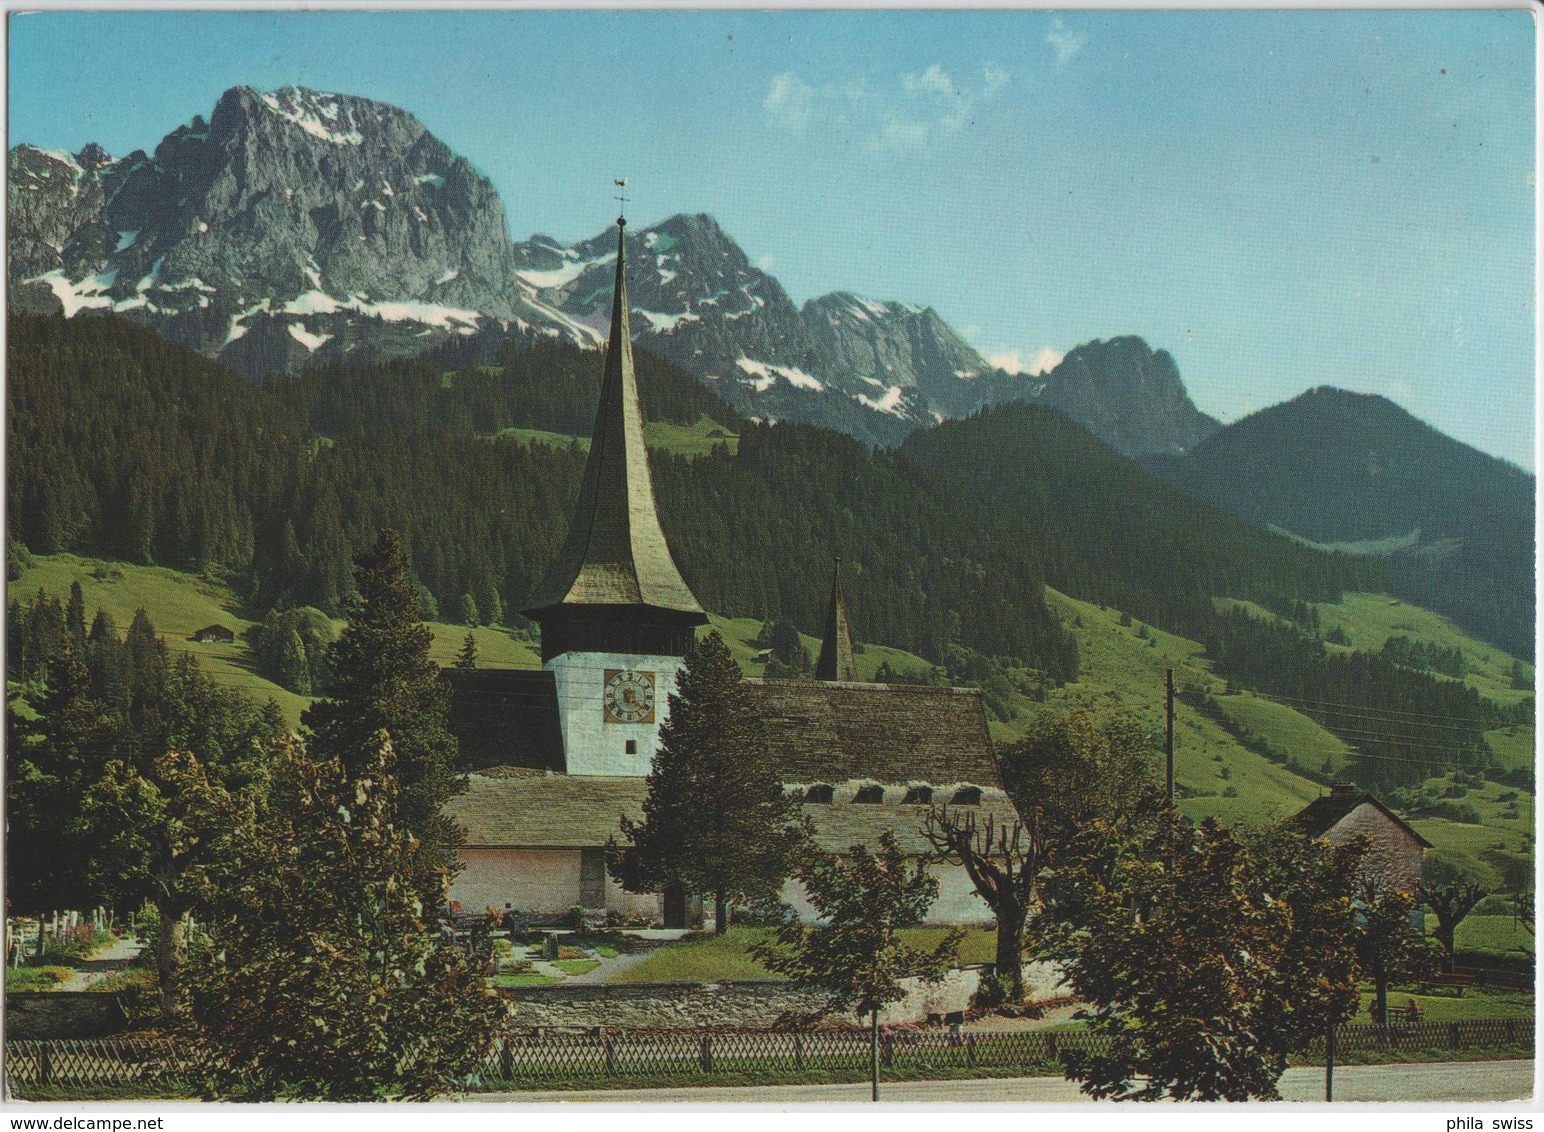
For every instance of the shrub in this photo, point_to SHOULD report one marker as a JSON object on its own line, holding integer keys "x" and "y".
{"x": 991, "y": 993}
{"x": 35, "y": 978}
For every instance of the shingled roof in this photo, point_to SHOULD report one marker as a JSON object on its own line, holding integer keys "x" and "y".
{"x": 615, "y": 552}
{"x": 826, "y": 731}
{"x": 1323, "y": 814}
{"x": 520, "y": 808}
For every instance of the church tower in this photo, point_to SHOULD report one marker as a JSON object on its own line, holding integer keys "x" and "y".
{"x": 835, "y": 661}
{"x": 616, "y": 616}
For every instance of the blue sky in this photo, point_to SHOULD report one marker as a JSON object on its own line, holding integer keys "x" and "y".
{"x": 1280, "y": 199}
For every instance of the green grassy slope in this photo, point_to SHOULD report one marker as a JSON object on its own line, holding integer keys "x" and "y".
{"x": 1228, "y": 763}
{"x": 180, "y": 603}
{"x": 684, "y": 440}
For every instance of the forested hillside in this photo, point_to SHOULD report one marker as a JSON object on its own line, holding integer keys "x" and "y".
{"x": 125, "y": 447}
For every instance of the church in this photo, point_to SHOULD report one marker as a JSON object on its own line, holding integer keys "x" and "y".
{"x": 569, "y": 746}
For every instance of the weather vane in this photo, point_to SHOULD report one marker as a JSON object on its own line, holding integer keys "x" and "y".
{"x": 621, "y": 184}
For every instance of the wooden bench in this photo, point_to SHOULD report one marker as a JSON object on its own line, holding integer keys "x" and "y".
{"x": 1399, "y": 1015}
{"x": 1452, "y": 980}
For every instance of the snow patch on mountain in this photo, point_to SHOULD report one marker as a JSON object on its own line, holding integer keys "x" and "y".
{"x": 311, "y": 342}
{"x": 766, "y": 375}
{"x": 315, "y": 113}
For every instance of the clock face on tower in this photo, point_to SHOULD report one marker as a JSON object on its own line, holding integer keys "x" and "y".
{"x": 629, "y": 696}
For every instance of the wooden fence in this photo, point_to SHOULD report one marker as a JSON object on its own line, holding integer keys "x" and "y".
{"x": 534, "y": 1057}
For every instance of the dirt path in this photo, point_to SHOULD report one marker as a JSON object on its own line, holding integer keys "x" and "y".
{"x": 103, "y": 961}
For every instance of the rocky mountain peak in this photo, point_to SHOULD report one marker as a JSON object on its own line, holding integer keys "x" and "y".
{"x": 1129, "y": 395}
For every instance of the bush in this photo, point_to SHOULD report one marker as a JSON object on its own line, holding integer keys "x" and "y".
{"x": 74, "y": 944}
{"x": 503, "y": 947}
{"x": 140, "y": 991}
{"x": 1464, "y": 812}
{"x": 991, "y": 993}
{"x": 35, "y": 978}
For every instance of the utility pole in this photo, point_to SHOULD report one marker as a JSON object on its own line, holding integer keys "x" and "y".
{"x": 1168, "y": 734}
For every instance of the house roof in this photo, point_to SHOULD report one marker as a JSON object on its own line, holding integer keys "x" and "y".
{"x": 830, "y": 731}
{"x": 516, "y": 807}
{"x": 615, "y": 552}
{"x": 1323, "y": 814}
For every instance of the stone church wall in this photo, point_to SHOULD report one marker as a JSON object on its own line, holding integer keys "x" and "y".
{"x": 957, "y": 901}
{"x": 748, "y": 1005}
{"x": 543, "y": 881}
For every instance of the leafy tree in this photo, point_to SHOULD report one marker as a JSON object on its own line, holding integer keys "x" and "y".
{"x": 383, "y": 680}
{"x": 854, "y": 953}
{"x": 469, "y": 612}
{"x": 1389, "y": 947}
{"x": 1451, "y": 894}
{"x": 1072, "y": 769}
{"x": 1206, "y": 956}
{"x": 162, "y": 829}
{"x": 715, "y": 818}
{"x": 1003, "y": 864}
{"x": 467, "y": 657}
{"x": 325, "y": 979}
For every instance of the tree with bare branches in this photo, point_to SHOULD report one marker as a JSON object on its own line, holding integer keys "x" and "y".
{"x": 1003, "y": 861}
{"x": 1451, "y": 902}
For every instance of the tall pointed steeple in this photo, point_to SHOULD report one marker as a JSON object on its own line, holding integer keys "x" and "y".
{"x": 835, "y": 661}
{"x": 615, "y": 587}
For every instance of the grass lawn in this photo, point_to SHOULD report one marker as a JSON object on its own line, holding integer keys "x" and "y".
{"x": 1474, "y": 1004}
{"x": 528, "y": 979}
{"x": 576, "y": 966}
{"x": 1488, "y": 937}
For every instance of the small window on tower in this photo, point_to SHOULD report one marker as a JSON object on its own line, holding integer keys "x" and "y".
{"x": 918, "y": 796}
{"x": 632, "y": 746}
{"x": 870, "y": 795}
{"x": 820, "y": 794}
{"x": 967, "y": 796}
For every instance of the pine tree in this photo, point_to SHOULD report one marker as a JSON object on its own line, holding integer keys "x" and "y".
{"x": 75, "y": 617}
{"x": 716, "y": 819}
{"x": 467, "y": 657}
{"x": 383, "y": 680}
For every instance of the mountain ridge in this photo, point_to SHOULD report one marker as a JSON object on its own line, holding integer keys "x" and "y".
{"x": 296, "y": 227}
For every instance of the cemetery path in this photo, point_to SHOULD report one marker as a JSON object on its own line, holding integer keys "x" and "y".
{"x": 103, "y": 961}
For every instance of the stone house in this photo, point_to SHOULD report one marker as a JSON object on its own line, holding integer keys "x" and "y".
{"x": 1397, "y": 851}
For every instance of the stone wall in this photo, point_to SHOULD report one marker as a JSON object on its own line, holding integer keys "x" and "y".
{"x": 36, "y": 1015}
{"x": 747, "y": 1005}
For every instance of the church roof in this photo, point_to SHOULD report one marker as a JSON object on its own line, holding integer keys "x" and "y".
{"x": 826, "y": 731}
{"x": 835, "y": 661}
{"x": 615, "y": 552}
{"x": 520, "y": 808}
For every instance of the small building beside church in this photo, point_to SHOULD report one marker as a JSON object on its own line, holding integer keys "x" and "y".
{"x": 574, "y": 742}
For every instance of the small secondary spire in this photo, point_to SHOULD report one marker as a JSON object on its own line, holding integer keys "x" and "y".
{"x": 836, "y": 661}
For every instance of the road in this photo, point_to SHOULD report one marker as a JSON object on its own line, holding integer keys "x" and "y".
{"x": 1431, "y": 1083}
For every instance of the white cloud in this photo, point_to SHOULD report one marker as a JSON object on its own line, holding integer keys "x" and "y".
{"x": 903, "y": 115}
{"x": 1043, "y": 361}
{"x": 900, "y": 136}
{"x": 788, "y": 102}
{"x": 1066, "y": 41}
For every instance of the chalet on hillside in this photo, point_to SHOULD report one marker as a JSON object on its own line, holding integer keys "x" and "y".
{"x": 214, "y": 635}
